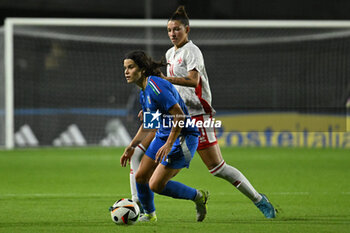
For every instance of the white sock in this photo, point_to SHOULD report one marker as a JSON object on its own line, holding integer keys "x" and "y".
{"x": 134, "y": 166}
{"x": 235, "y": 177}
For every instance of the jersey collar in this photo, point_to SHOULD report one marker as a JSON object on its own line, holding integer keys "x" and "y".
{"x": 179, "y": 49}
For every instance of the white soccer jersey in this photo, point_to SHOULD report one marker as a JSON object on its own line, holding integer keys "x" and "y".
{"x": 182, "y": 60}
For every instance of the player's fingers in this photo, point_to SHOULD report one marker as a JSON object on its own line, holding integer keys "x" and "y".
{"x": 121, "y": 161}
{"x": 161, "y": 158}
{"x": 158, "y": 156}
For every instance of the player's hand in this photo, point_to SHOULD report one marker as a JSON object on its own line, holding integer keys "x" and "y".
{"x": 140, "y": 115}
{"x": 163, "y": 152}
{"x": 125, "y": 158}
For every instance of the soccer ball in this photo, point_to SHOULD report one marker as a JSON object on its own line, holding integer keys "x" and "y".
{"x": 125, "y": 212}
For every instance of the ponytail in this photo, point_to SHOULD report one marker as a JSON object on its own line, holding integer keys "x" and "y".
{"x": 143, "y": 61}
{"x": 180, "y": 15}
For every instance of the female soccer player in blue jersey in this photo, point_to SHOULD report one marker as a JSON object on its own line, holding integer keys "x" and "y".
{"x": 173, "y": 146}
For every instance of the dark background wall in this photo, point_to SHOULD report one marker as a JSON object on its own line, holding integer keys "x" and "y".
{"x": 197, "y": 9}
{"x": 52, "y": 76}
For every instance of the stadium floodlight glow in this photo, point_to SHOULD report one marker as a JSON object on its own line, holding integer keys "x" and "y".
{"x": 11, "y": 23}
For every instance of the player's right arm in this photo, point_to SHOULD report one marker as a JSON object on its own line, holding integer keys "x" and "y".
{"x": 191, "y": 80}
{"x": 194, "y": 61}
{"x": 129, "y": 150}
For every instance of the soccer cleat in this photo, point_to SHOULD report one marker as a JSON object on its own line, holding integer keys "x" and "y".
{"x": 148, "y": 218}
{"x": 201, "y": 205}
{"x": 266, "y": 207}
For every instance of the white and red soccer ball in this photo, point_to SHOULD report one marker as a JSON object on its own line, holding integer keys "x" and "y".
{"x": 125, "y": 212}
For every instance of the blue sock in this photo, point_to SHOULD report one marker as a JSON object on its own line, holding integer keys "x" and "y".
{"x": 146, "y": 197}
{"x": 178, "y": 190}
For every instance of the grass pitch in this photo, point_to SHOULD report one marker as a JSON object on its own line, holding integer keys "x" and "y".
{"x": 70, "y": 190}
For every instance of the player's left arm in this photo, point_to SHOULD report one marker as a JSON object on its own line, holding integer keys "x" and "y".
{"x": 191, "y": 80}
{"x": 179, "y": 116}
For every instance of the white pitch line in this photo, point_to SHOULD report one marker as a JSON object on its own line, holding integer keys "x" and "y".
{"x": 78, "y": 195}
{"x": 272, "y": 193}
{"x": 291, "y": 193}
{"x": 60, "y": 195}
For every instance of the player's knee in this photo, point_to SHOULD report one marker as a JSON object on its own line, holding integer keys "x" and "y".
{"x": 140, "y": 178}
{"x": 210, "y": 158}
{"x": 212, "y": 166}
{"x": 156, "y": 187}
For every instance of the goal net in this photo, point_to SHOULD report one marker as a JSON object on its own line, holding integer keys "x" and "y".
{"x": 69, "y": 87}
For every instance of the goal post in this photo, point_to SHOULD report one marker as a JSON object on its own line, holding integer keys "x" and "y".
{"x": 9, "y": 88}
{"x": 253, "y": 65}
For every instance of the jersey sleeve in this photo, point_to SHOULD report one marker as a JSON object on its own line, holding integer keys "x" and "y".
{"x": 166, "y": 98}
{"x": 194, "y": 59}
{"x": 167, "y": 54}
{"x": 141, "y": 98}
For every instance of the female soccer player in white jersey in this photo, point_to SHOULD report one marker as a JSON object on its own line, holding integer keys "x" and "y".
{"x": 187, "y": 71}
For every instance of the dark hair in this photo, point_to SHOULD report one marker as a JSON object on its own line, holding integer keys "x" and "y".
{"x": 143, "y": 61}
{"x": 180, "y": 15}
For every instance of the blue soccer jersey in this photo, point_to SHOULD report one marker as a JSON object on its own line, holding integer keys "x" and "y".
{"x": 160, "y": 95}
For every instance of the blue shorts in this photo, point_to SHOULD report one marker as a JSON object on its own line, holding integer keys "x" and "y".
{"x": 181, "y": 153}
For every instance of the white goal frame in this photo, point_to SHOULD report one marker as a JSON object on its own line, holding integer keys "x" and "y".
{"x": 11, "y": 22}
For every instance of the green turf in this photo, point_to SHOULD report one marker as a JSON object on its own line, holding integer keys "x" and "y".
{"x": 70, "y": 190}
